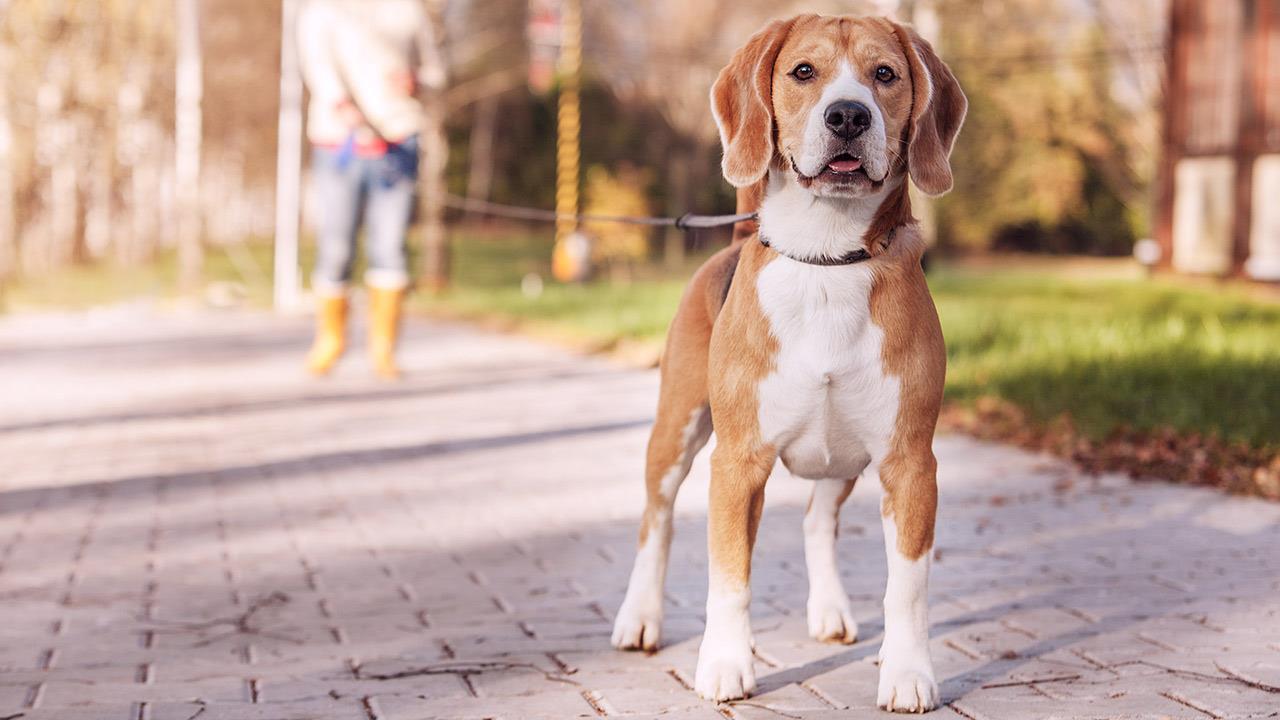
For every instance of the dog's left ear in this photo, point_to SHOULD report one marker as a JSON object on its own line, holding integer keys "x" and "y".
{"x": 938, "y": 107}
{"x": 742, "y": 104}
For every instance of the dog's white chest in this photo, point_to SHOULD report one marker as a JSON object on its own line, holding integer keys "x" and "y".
{"x": 828, "y": 406}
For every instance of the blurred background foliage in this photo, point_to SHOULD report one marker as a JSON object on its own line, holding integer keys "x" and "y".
{"x": 87, "y": 125}
{"x": 1057, "y": 155}
{"x": 1059, "y": 149}
{"x": 1057, "y": 158}
{"x": 619, "y": 247}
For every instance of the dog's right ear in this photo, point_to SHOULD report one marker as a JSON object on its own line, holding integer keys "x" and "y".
{"x": 742, "y": 103}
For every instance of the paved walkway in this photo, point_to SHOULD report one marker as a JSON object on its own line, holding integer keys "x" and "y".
{"x": 189, "y": 529}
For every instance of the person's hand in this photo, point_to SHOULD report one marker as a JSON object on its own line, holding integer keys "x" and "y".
{"x": 432, "y": 75}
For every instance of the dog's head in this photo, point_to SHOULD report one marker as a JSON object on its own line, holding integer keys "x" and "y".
{"x": 841, "y": 104}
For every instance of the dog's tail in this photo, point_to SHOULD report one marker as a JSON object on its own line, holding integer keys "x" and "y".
{"x": 749, "y": 199}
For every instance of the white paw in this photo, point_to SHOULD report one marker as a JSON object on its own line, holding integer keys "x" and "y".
{"x": 907, "y": 686}
{"x": 637, "y": 628}
{"x": 831, "y": 620}
{"x": 724, "y": 673}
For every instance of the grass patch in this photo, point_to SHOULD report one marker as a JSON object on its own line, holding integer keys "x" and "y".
{"x": 487, "y": 273}
{"x": 1143, "y": 354}
{"x": 244, "y": 270}
{"x": 1109, "y": 353}
{"x": 1106, "y": 351}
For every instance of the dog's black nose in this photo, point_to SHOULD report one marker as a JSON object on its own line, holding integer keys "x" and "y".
{"x": 847, "y": 119}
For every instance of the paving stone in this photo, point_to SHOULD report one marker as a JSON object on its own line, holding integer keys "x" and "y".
{"x": 189, "y": 525}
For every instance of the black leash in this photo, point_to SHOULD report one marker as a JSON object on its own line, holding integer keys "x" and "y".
{"x": 688, "y": 221}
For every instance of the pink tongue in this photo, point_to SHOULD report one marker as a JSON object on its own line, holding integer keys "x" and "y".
{"x": 844, "y": 166}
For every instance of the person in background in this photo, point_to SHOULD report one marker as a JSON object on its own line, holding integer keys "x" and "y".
{"x": 362, "y": 61}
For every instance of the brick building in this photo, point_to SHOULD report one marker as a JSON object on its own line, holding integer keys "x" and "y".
{"x": 1218, "y": 205}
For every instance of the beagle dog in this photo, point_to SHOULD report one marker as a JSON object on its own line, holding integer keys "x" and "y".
{"x": 814, "y": 340}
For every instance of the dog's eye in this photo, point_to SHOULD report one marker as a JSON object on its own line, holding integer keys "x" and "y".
{"x": 802, "y": 72}
{"x": 885, "y": 74}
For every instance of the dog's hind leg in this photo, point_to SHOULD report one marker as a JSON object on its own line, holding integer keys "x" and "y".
{"x": 830, "y": 616}
{"x": 681, "y": 429}
{"x": 672, "y": 448}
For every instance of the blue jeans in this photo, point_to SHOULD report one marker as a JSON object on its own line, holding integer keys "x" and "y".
{"x": 381, "y": 191}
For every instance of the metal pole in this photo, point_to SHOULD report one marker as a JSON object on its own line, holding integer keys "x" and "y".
{"x": 287, "y": 281}
{"x": 568, "y": 129}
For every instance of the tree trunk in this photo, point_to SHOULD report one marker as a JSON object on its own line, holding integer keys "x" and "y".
{"x": 187, "y": 135}
{"x": 8, "y": 195}
{"x": 924, "y": 16}
{"x": 64, "y": 208}
{"x": 143, "y": 210}
{"x": 435, "y": 241}
{"x": 8, "y": 224}
{"x": 679, "y": 187}
{"x": 699, "y": 178}
{"x": 483, "y": 128}
{"x": 433, "y": 154}
{"x": 99, "y": 210}
{"x": 288, "y": 163}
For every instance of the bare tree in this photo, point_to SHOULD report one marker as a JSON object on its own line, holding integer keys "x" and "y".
{"x": 187, "y": 101}
{"x": 434, "y": 155}
{"x": 8, "y": 219}
{"x": 288, "y": 162}
{"x": 480, "y": 163}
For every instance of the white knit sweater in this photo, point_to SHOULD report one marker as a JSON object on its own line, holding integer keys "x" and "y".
{"x": 362, "y": 52}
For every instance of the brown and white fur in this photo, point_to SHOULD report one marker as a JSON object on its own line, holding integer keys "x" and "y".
{"x": 837, "y": 370}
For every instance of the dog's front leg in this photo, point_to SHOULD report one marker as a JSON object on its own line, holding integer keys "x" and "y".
{"x": 738, "y": 478}
{"x": 908, "y": 509}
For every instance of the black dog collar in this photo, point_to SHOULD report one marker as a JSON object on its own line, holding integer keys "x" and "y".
{"x": 850, "y": 258}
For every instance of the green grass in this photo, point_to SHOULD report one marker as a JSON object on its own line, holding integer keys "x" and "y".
{"x": 487, "y": 272}
{"x": 1107, "y": 350}
{"x": 1138, "y": 353}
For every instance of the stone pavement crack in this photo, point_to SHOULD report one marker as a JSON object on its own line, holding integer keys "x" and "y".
{"x": 1226, "y": 677}
{"x": 775, "y": 711}
{"x": 241, "y": 624}
{"x": 1028, "y": 683}
{"x": 468, "y": 669}
{"x": 1247, "y": 681}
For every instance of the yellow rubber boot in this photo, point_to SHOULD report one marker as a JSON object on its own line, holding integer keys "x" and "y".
{"x": 384, "y": 330}
{"x": 331, "y": 335}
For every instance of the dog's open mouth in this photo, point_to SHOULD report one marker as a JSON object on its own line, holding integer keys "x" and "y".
{"x": 844, "y": 169}
{"x": 844, "y": 165}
